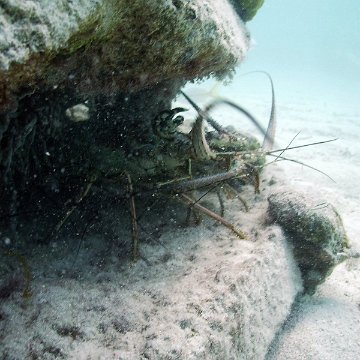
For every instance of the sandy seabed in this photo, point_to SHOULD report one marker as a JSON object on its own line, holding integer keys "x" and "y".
{"x": 200, "y": 292}
{"x": 326, "y": 325}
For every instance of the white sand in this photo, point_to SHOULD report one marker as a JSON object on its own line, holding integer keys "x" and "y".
{"x": 202, "y": 293}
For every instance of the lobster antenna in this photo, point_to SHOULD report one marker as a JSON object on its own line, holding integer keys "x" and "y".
{"x": 237, "y": 107}
{"x": 287, "y": 147}
{"x": 301, "y": 163}
{"x": 269, "y": 134}
{"x": 300, "y": 146}
{"x": 220, "y": 129}
{"x": 269, "y": 139}
{"x": 201, "y": 147}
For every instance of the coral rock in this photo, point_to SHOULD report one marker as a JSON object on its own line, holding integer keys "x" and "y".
{"x": 111, "y": 45}
{"x": 315, "y": 230}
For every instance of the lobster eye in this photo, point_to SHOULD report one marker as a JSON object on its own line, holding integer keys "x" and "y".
{"x": 178, "y": 120}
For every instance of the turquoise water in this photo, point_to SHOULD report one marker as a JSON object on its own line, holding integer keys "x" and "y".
{"x": 311, "y": 48}
{"x": 312, "y": 51}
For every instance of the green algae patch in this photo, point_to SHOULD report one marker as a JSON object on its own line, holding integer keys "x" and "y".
{"x": 247, "y": 9}
{"x": 115, "y": 46}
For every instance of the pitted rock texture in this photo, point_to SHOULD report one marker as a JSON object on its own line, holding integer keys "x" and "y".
{"x": 315, "y": 230}
{"x": 110, "y": 45}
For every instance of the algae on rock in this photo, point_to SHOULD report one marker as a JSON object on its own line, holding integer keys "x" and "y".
{"x": 247, "y": 9}
{"x": 109, "y": 45}
{"x": 315, "y": 230}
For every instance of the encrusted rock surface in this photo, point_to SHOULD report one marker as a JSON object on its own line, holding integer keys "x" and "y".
{"x": 110, "y": 45}
{"x": 315, "y": 230}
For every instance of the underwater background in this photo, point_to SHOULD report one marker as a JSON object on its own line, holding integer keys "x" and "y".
{"x": 88, "y": 303}
{"x": 311, "y": 48}
{"x": 312, "y": 52}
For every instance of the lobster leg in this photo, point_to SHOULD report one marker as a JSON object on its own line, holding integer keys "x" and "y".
{"x": 76, "y": 203}
{"x": 188, "y": 200}
{"x": 134, "y": 224}
{"x": 229, "y": 189}
{"x": 221, "y": 202}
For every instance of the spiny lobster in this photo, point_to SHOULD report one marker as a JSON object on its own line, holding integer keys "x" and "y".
{"x": 176, "y": 163}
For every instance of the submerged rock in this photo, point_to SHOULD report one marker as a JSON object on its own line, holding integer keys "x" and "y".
{"x": 126, "y": 60}
{"x": 247, "y": 9}
{"x": 315, "y": 230}
{"x": 109, "y": 45}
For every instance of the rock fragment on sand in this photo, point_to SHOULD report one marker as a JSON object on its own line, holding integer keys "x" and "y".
{"x": 315, "y": 230}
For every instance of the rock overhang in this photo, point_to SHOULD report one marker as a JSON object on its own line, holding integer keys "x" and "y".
{"x": 105, "y": 46}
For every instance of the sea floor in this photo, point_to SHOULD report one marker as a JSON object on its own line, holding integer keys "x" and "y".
{"x": 324, "y": 326}
{"x": 90, "y": 301}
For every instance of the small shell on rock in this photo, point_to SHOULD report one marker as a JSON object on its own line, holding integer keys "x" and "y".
{"x": 78, "y": 113}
